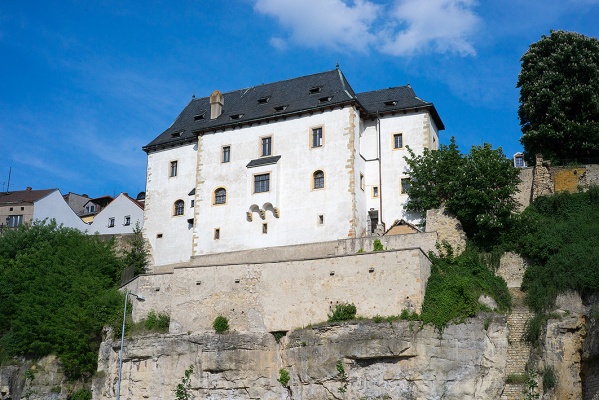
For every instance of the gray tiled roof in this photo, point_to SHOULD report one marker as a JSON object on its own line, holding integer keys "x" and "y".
{"x": 292, "y": 96}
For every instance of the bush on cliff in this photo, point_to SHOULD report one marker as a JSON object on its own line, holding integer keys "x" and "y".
{"x": 561, "y": 240}
{"x": 58, "y": 290}
{"x": 456, "y": 283}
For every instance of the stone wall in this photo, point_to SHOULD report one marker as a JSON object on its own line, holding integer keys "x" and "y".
{"x": 392, "y": 361}
{"x": 306, "y": 251}
{"x": 273, "y": 296}
{"x": 544, "y": 179}
{"x": 447, "y": 228}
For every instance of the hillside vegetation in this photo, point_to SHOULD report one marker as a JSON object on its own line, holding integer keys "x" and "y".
{"x": 59, "y": 288}
{"x": 560, "y": 237}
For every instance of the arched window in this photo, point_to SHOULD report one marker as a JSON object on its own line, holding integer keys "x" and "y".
{"x": 179, "y": 207}
{"x": 318, "y": 180}
{"x": 220, "y": 196}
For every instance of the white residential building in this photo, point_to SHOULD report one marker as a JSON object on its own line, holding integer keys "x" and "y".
{"x": 26, "y": 206}
{"x": 298, "y": 161}
{"x": 120, "y": 216}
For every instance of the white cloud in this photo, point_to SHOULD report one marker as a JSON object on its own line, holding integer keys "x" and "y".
{"x": 441, "y": 26}
{"x": 401, "y": 28}
{"x": 324, "y": 23}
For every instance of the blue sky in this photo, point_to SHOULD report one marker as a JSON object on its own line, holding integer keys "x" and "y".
{"x": 85, "y": 84}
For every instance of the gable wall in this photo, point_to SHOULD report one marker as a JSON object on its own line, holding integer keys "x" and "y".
{"x": 161, "y": 193}
{"x": 117, "y": 209}
{"x": 53, "y": 206}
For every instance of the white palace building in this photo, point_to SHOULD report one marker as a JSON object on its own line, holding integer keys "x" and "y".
{"x": 299, "y": 161}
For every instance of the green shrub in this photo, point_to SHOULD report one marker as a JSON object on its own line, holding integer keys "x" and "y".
{"x": 157, "y": 322}
{"x": 342, "y": 376}
{"x": 183, "y": 389}
{"x": 517, "y": 379}
{"x": 278, "y": 335}
{"x": 343, "y": 312}
{"x": 533, "y": 328}
{"x": 378, "y": 319}
{"x": 81, "y": 394}
{"x": 283, "y": 377}
{"x": 377, "y": 245}
{"x": 549, "y": 378}
{"x": 409, "y": 316}
{"x": 220, "y": 324}
{"x": 456, "y": 283}
{"x": 562, "y": 244}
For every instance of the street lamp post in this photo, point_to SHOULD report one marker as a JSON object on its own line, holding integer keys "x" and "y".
{"x": 140, "y": 298}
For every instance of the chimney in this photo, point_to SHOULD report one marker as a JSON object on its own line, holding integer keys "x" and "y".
{"x": 217, "y": 100}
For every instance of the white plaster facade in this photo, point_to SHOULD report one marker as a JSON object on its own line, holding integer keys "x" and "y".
{"x": 357, "y": 143}
{"x": 120, "y": 216}
{"x": 53, "y": 206}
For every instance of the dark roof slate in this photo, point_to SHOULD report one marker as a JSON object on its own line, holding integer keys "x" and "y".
{"x": 263, "y": 161}
{"x": 24, "y": 196}
{"x": 272, "y": 100}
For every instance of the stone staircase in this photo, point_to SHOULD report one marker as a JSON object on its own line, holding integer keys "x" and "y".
{"x": 518, "y": 351}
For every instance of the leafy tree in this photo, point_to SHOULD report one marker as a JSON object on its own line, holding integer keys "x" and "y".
{"x": 477, "y": 187}
{"x": 136, "y": 255}
{"x": 58, "y": 290}
{"x": 559, "y": 97}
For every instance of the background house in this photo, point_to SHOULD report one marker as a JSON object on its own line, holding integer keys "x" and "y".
{"x": 118, "y": 217}
{"x": 24, "y": 206}
{"x": 93, "y": 207}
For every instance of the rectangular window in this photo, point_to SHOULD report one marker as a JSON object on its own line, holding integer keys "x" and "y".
{"x": 404, "y": 185}
{"x": 519, "y": 162}
{"x": 173, "y": 168}
{"x": 398, "y": 141}
{"x": 362, "y": 181}
{"x": 111, "y": 222}
{"x": 127, "y": 220}
{"x": 216, "y": 233}
{"x": 192, "y": 203}
{"x": 261, "y": 183}
{"x": 266, "y": 146}
{"x": 320, "y": 219}
{"x": 317, "y": 137}
{"x": 14, "y": 220}
{"x": 375, "y": 191}
{"x": 264, "y": 228}
{"x": 226, "y": 154}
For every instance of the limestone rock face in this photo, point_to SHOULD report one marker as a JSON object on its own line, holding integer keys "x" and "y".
{"x": 398, "y": 361}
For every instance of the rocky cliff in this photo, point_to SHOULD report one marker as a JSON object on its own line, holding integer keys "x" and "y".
{"x": 379, "y": 361}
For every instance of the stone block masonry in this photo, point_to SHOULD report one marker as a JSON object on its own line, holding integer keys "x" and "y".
{"x": 280, "y": 296}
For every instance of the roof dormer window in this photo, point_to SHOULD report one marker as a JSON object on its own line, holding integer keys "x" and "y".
{"x": 315, "y": 89}
{"x": 391, "y": 103}
{"x": 263, "y": 100}
{"x": 325, "y": 99}
{"x": 281, "y": 108}
{"x": 236, "y": 116}
{"x": 199, "y": 116}
{"x": 176, "y": 134}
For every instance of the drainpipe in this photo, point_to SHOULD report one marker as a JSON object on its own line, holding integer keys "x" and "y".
{"x": 378, "y": 128}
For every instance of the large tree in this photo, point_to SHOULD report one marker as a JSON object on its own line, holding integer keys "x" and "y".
{"x": 477, "y": 187}
{"x": 559, "y": 97}
{"x": 58, "y": 288}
